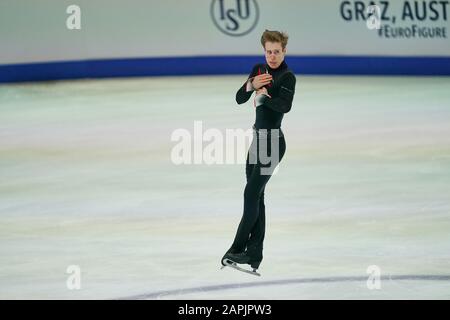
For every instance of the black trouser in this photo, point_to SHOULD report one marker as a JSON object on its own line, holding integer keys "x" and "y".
{"x": 251, "y": 230}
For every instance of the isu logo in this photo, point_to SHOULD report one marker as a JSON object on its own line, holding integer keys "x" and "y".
{"x": 235, "y": 17}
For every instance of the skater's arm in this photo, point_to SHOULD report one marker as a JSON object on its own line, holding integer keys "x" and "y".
{"x": 245, "y": 92}
{"x": 283, "y": 102}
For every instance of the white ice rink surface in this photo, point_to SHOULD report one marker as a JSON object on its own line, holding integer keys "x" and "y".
{"x": 86, "y": 179}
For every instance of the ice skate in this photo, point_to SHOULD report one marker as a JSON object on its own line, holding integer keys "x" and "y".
{"x": 232, "y": 260}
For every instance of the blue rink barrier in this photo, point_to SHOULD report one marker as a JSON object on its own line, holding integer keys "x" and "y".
{"x": 223, "y": 65}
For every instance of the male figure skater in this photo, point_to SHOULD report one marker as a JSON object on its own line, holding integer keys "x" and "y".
{"x": 274, "y": 85}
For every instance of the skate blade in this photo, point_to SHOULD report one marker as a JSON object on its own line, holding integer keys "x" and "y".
{"x": 231, "y": 264}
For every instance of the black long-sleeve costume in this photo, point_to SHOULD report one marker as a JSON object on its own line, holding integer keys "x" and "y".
{"x": 270, "y": 114}
{"x": 250, "y": 234}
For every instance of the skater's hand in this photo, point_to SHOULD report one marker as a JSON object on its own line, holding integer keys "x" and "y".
{"x": 261, "y": 80}
{"x": 261, "y": 95}
{"x": 263, "y": 91}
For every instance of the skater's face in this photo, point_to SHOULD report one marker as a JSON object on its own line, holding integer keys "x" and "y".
{"x": 274, "y": 54}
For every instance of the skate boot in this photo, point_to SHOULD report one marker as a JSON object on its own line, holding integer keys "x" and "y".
{"x": 225, "y": 256}
{"x": 233, "y": 259}
{"x": 254, "y": 263}
{"x": 255, "y": 256}
{"x": 240, "y": 258}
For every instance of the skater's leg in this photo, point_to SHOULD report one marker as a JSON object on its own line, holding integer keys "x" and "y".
{"x": 252, "y": 195}
{"x": 257, "y": 233}
{"x": 255, "y": 242}
{"x": 249, "y": 168}
{"x": 256, "y": 182}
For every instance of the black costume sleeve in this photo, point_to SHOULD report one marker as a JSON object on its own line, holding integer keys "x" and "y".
{"x": 283, "y": 102}
{"x": 243, "y": 95}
